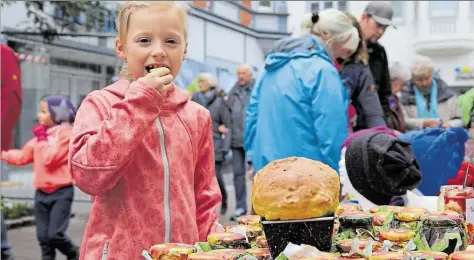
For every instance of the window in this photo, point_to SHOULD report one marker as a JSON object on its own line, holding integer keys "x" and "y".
{"x": 318, "y": 6}
{"x": 314, "y": 7}
{"x": 266, "y": 3}
{"x": 342, "y": 5}
{"x": 327, "y": 4}
{"x": 443, "y": 8}
{"x": 398, "y": 9}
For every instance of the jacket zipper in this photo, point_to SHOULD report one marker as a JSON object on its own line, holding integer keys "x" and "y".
{"x": 104, "y": 251}
{"x": 166, "y": 167}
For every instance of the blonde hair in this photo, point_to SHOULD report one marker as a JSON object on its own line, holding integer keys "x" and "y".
{"x": 209, "y": 78}
{"x": 336, "y": 23}
{"x": 306, "y": 24}
{"x": 421, "y": 65}
{"x": 123, "y": 19}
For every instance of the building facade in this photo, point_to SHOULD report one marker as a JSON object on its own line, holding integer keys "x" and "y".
{"x": 222, "y": 35}
{"x": 441, "y": 30}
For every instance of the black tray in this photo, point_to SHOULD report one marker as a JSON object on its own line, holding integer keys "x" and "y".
{"x": 315, "y": 232}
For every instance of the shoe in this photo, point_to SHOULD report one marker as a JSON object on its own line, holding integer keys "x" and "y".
{"x": 238, "y": 213}
{"x": 76, "y": 256}
{"x": 224, "y": 208}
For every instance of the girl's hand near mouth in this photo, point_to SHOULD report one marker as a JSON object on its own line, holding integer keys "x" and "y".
{"x": 160, "y": 79}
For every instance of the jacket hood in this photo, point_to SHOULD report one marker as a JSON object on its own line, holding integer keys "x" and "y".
{"x": 174, "y": 99}
{"x": 294, "y": 47}
{"x": 408, "y": 93}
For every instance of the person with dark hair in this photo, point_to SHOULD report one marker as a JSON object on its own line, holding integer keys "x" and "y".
{"x": 374, "y": 21}
{"x": 48, "y": 152}
{"x": 356, "y": 75}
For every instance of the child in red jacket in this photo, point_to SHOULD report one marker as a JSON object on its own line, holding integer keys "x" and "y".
{"x": 141, "y": 148}
{"x": 54, "y": 191}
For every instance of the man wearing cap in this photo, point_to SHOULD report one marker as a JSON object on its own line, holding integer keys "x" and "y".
{"x": 376, "y": 18}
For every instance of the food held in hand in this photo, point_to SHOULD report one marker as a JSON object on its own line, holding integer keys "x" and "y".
{"x": 252, "y": 220}
{"x": 348, "y": 207}
{"x": 260, "y": 253}
{"x": 171, "y": 251}
{"x": 427, "y": 254}
{"x": 221, "y": 254}
{"x": 252, "y": 232}
{"x": 295, "y": 188}
{"x": 227, "y": 240}
{"x": 261, "y": 242}
{"x": 462, "y": 255}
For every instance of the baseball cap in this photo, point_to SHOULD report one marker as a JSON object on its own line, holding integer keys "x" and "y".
{"x": 381, "y": 11}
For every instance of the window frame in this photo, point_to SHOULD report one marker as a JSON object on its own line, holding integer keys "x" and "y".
{"x": 400, "y": 19}
{"x": 335, "y": 5}
{"x": 430, "y": 11}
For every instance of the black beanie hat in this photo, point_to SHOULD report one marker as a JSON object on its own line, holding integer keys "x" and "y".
{"x": 381, "y": 166}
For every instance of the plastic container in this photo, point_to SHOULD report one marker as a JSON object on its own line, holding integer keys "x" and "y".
{"x": 315, "y": 232}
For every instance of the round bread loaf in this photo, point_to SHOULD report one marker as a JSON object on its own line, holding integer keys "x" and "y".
{"x": 295, "y": 188}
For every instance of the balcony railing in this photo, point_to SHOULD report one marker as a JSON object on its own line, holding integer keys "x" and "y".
{"x": 241, "y": 12}
{"x": 443, "y": 26}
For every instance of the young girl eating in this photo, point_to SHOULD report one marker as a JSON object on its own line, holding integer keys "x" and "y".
{"x": 140, "y": 148}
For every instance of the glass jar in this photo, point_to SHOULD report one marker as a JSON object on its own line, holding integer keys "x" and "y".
{"x": 455, "y": 199}
{"x": 442, "y": 193}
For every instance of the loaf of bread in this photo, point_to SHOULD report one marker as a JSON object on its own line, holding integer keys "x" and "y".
{"x": 295, "y": 188}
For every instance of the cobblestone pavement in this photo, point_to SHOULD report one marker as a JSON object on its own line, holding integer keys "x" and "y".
{"x": 23, "y": 240}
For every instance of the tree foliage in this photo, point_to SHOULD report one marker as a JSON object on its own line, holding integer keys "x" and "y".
{"x": 52, "y": 17}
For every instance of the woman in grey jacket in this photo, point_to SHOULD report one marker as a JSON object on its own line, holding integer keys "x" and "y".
{"x": 212, "y": 98}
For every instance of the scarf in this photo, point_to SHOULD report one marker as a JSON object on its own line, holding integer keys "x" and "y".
{"x": 421, "y": 102}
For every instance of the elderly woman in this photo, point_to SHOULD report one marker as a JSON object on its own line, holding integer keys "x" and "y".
{"x": 212, "y": 98}
{"x": 299, "y": 105}
{"x": 427, "y": 101}
{"x": 398, "y": 76}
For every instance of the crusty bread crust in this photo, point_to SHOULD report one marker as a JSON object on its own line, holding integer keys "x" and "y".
{"x": 295, "y": 188}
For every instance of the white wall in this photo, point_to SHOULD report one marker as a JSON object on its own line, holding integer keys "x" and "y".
{"x": 196, "y": 39}
{"x": 224, "y": 43}
{"x": 254, "y": 54}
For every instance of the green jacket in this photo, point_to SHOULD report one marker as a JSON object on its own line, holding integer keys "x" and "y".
{"x": 466, "y": 103}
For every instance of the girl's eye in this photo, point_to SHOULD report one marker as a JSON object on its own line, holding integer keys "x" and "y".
{"x": 143, "y": 40}
{"x": 171, "y": 41}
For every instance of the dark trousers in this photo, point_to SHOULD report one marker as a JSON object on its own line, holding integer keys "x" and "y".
{"x": 240, "y": 184}
{"x": 220, "y": 180}
{"x": 52, "y": 214}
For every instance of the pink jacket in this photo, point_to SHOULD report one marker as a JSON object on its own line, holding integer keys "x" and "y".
{"x": 148, "y": 162}
{"x": 49, "y": 159}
